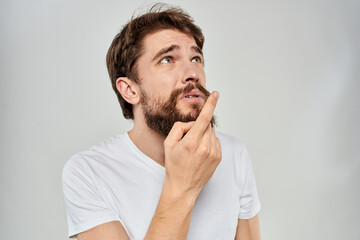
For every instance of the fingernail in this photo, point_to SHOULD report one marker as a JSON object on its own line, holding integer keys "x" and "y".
{"x": 216, "y": 95}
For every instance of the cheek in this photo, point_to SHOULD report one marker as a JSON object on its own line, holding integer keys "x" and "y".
{"x": 165, "y": 83}
{"x": 202, "y": 80}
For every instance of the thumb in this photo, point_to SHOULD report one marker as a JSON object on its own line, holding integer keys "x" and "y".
{"x": 176, "y": 133}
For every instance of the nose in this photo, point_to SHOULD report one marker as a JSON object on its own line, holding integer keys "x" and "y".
{"x": 191, "y": 73}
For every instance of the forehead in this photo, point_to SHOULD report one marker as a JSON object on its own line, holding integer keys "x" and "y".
{"x": 155, "y": 41}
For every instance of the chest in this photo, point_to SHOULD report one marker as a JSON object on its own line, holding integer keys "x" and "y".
{"x": 133, "y": 194}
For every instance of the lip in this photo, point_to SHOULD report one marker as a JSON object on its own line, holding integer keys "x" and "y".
{"x": 194, "y": 96}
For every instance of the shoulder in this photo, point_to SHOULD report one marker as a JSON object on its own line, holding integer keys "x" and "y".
{"x": 234, "y": 150}
{"x": 230, "y": 142}
{"x": 84, "y": 162}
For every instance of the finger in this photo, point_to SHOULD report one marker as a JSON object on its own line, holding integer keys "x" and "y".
{"x": 212, "y": 138}
{"x": 206, "y": 138}
{"x": 214, "y": 143}
{"x": 211, "y": 141}
{"x": 205, "y": 116}
{"x": 218, "y": 148}
{"x": 177, "y": 132}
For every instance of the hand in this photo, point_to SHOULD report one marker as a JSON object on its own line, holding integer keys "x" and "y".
{"x": 190, "y": 161}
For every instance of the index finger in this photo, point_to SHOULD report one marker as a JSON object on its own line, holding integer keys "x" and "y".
{"x": 203, "y": 121}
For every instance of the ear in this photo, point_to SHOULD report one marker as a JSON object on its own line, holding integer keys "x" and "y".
{"x": 128, "y": 90}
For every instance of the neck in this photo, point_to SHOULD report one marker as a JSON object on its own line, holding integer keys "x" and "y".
{"x": 148, "y": 141}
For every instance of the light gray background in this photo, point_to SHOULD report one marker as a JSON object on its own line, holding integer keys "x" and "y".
{"x": 288, "y": 75}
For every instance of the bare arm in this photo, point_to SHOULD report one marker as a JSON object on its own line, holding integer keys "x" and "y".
{"x": 248, "y": 229}
{"x": 190, "y": 162}
{"x": 107, "y": 231}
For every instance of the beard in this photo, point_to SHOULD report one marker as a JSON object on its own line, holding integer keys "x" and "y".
{"x": 160, "y": 116}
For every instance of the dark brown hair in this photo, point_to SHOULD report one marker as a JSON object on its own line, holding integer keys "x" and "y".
{"x": 127, "y": 45}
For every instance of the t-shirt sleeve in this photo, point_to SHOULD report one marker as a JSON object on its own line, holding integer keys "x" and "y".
{"x": 84, "y": 206}
{"x": 249, "y": 199}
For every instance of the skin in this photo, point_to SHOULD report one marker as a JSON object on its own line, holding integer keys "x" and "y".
{"x": 189, "y": 161}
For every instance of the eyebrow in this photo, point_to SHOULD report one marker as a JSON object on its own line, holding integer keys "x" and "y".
{"x": 197, "y": 49}
{"x": 175, "y": 47}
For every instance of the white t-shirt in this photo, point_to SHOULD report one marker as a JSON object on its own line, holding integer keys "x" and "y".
{"x": 115, "y": 181}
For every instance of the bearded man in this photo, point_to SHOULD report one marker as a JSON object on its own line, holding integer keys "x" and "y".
{"x": 171, "y": 176}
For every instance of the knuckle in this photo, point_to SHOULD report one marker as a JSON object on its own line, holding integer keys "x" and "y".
{"x": 212, "y": 155}
{"x": 190, "y": 146}
{"x": 219, "y": 157}
{"x": 204, "y": 150}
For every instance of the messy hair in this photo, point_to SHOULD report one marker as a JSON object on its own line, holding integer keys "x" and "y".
{"x": 127, "y": 46}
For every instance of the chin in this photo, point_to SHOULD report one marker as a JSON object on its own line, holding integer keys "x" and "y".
{"x": 192, "y": 114}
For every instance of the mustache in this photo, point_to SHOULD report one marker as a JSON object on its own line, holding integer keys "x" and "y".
{"x": 188, "y": 89}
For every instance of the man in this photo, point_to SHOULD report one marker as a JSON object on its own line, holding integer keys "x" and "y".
{"x": 171, "y": 176}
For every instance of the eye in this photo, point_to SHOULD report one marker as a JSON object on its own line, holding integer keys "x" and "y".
{"x": 196, "y": 59}
{"x": 166, "y": 60}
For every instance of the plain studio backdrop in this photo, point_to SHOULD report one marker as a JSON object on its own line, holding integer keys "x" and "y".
{"x": 289, "y": 80}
